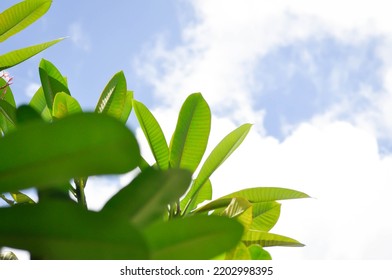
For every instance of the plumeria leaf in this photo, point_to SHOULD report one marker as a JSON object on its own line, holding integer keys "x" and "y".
{"x": 21, "y": 15}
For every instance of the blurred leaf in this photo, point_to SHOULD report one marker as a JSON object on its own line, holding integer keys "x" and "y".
{"x": 205, "y": 193}
{"x": 267, "y": 239}
{"x": 26, "y": 114}
{"x": 153, "y": 133}
{"x": 38, "y": 102}
{"x": 21, "y": 198}
{"x": 41, "y": 154}
{"x": 146, "y": 198}
{"x": 267, "y": 220}
{"x": 6, "y": 256}
{"x": 52, "y": 82}
{"x": 218, "y": 155}
{"x": 65, "y": 105}
{"x": 15, "y": 57}
{"x": 115, "y": 99}
{"x": 21, "y": 15}
{"x": 196, "y": 237}
{"x": 8, "y": 96}
{"x": 66, "y": 231}
{"x": 190, "y": 137}
{"x": 240, "y": 252}
{"x": 258, "y": 253}
{"x": 264, "y": 194}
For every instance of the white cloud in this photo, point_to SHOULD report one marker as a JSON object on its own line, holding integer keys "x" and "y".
{"x": 337, "y": 162}
{"x": 31, "y": 89}
{"x": 79, "y": 37}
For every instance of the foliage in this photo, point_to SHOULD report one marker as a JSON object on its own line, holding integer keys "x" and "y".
{"x": 52, "y": 146}
{"x": 15, "y": 19}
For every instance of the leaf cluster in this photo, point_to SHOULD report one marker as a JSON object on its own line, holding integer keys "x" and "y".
{"x": 166, "y": 212}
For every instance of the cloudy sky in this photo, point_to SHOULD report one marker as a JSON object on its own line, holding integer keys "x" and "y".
{"x": 314, "y": 77}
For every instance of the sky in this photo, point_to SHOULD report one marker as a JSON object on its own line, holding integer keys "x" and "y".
{"x": 313, "y": 77}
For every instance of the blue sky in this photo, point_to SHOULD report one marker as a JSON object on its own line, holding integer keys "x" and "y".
{"x": 314, "y": 77}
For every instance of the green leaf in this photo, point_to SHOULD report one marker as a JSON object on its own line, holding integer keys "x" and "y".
{"x": 21, "y": 198}
{"x": 153, "y": 133}
{"x": 38, "y": 102}
{"x": 65, "y": 105}
{"x": 52, "y": 82}
{"x": 41, "y": 154}
{"x": 267, "y": 239}
{"x": 15, "y": 57}
{"x": 258, "y": 253}
{"x": 8, "y": 256}
{"x": 215, "y": 204}
{"x": 115, "y": 99}
{"x": 267, "y": 220}
{"x": 205, "y": 193}
{"x": 7, "y": 108}
{"x": 240, "y": 252}
{"x": 146, "y": 198}
{"x": 59, "y": 230}
{"x": 241, "y": 209}
{"x": 21, "y": 15}
{"x": 218, "y": 155}
{"x": 190, "y": 137}
{"x": 26, "y": 114}
{"x": 196, "y": 237}
{"x": 264, "y": 194}
{"x": 7, "y": 116}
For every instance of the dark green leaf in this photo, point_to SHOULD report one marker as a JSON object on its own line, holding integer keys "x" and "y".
{"x": 52, "y": 81}
{"x": 146, "y": 198}
{"x": 66, "y": 231}
{"x": 41, "y": 154}
{"x": 190, "y": 137}
{"x": 197, "y": 237}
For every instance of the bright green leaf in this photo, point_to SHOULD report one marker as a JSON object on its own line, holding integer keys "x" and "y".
{"x": 65, "y": 105}
{"x": 240, "y": 252}
{"x": 21, "y": 15}
{"x": 258, "y": 253}
{"x": 38, "y": 102}
{"x": 21, "y": 198}
{"x": 7, "y": 116}
{"x": 41, "y": 154}
{"x": 146, "y": 198}
{"x": 197, "y": 237}
{"x": 267, "y": 220}
{"x": 205, "y": 193}
{"x": 153, "y": 133}
{"x": 267, "y": 239}
{"x": 66, "y": 231}
{"x": 52, "y": 81}
{"x": 15, "y": 57}
{"x": 241, "y": 209}
{"x": 218, "y": 155}
{"x": 264, "y": 194}
{"x": 115, "y": 99}
{"x": 190, "y": 137}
